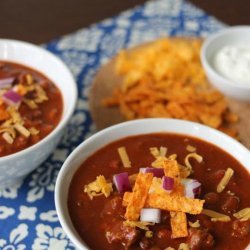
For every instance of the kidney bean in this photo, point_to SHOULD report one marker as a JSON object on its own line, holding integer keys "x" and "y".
{"x": 230, "y": 204}
{"x": 211, "y": 198}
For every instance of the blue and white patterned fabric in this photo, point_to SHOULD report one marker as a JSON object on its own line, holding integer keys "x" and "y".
{"x": 28, "y": 219}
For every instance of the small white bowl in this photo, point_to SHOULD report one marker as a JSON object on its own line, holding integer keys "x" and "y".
{"x": 136, "y": 127}
{"x": 213, "y": 44}
{"x": 16, "y": 166}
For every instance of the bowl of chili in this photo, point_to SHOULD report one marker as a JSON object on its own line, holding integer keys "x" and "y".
{"x": 156, "y": 184}
{"x": 37, "y": 98}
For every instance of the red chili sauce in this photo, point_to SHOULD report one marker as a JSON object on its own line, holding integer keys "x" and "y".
{"x": 38, "y": 112}
{"x": 94, "y": 218}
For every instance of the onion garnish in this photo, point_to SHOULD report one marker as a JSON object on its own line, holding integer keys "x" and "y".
{"x": 6, "y": 82}
{"x": 150, "y": 215}
{"x": 192, "y": 187}
{"x": 12, "y": 98}
{"x": 168, "y": 183}
{"x": 157, "y": 172}
{"x": 121, "y": 182}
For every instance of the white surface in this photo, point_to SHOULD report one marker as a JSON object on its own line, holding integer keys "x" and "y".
{"x": 16, "y": 166}
{"x": 121, "y": 130}
{"x": 236, "y": 35}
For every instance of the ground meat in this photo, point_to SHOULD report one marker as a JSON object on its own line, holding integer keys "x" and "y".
{"x": 164, "y": 234}
{"x": 145, "y": 243}
{"x": 205, "y": 221}
{"x": 200, "y": 239}
{"x": 114, "y": 207}
{"x": 240, "y": 229}
{"x": 117, "y": 232}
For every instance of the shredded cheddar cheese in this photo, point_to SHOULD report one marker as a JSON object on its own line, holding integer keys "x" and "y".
{"x": 215, "y": 216}
{"x": 183, "y": 246}
{"x": 196, "y": 156}
{"x": 140, "y": 224}
{"x": 195, "y": 224}
{"x": 149, "y": 234}
{"x": 243, "y": 214}
{"x": 98, "y": 187}
{"x": 124, "y": 157}
{"x": 191, "y": 148}
{"x": 224, "y": 181}
{"x": 155, "y": 152}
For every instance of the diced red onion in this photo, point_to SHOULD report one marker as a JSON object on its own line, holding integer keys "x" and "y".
{"x": 157, "y": 172}
{"x": 6, "y": 82}
{"x": 12, "y": 98}
{"x": 121, "y": 182}
{"x": 150, "y": 215}
{"x": 168, "y": 183}
{"x": 192, "y": 187}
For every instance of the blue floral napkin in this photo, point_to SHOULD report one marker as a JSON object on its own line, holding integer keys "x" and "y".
{"x": 28, "y": 219}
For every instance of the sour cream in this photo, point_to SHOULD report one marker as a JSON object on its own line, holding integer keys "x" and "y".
{"x": 233, "y": 62}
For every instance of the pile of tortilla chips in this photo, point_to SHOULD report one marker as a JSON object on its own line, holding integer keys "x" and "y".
{"x": 165, "y": 79}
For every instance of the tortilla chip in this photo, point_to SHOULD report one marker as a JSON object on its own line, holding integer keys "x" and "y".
{"x": 139, "y": 196}
{"x": 171, "y": 169}
{"x": 178, "y": 223}
{"x": 175, "y": 203}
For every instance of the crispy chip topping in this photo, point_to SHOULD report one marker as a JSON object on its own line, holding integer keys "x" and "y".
{"x": 165, "y": 79}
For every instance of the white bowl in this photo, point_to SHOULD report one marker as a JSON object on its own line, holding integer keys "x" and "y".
{"x": 16, "y": 166}
{"x": 136, "y": 127}
{"x": 213, "y": 44}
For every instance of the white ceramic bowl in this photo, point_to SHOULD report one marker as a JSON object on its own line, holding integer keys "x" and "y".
{"x": 16, "y": 166}
{"x": 229, "y": 36}
{"x": 136, "y": 127}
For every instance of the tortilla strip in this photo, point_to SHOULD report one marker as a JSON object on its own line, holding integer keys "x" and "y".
{"x": 175, "y": 203}
{"x": 171, "y": 169}
{"x": 138, "y": 196}
{"x": 126, "y": 198}
{"x": 178, "y": 223}
{"x": 169, "y": 202}
{"x": 178, "y": 220}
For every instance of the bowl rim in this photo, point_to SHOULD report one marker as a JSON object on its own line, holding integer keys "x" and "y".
{"x": 64, "y": 119}
{"x": 66, "y": 165}
{"x": 207, "y": 64}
